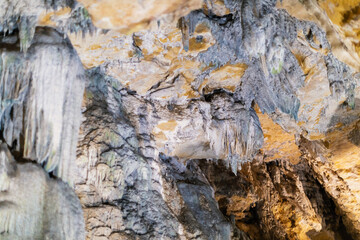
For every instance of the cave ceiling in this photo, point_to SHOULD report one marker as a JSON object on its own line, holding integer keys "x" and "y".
{"x": 173, "y": 119}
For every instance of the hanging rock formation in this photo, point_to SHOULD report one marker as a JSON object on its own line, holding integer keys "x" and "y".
{"x": 234, "y": 119}
{"x": 41, "y": 94}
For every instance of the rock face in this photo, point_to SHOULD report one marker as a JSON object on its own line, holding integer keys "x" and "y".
{"x": 127, "y": 194}
{"x": 33, "y": 206}
{"x": 25, "y": 15}
{"x": 127, "y": 15}
{"x": 276, "y": 200}
{"x": 41, "y": 97}
{"x": 179, "y": 119}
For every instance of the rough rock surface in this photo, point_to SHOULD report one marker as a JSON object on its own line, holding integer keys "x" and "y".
{"x": 234, "y": 119}
{"x": 119, "y": 15}
{"x": 25, "y": 15}
{"x": 127, "y": 194}
{"x": 34, "y": 206}
{"x": 41, "y": 94}
{"x": 276, "y": 200}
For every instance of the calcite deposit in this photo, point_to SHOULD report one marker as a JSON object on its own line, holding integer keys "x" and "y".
{"x": 34, "y": 206}
{"x": 199, "y": 119}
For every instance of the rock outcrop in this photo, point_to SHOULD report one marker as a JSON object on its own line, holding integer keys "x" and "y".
{"x": 179, "y": 119}
{"x": 34, "y": 206}
{"x": 41, "y": 94}
{"x": 129, "y": 192}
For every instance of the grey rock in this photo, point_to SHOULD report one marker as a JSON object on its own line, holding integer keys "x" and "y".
{"x": 34, "y": 206}
{"x": 151, "y": 197}
{"x": 41, "y": 96}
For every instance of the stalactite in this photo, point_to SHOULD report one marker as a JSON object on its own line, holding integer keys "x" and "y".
{"x": 41, "y": 96}
{"x": 235, "y": 134}
{"x": 24, "y": 15}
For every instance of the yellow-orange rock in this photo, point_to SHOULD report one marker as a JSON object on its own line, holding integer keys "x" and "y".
{"x": 127, "y": 15}
{"x": 276, "y": 198}
{"x": 335, "y": 164}
{"x": 278, "y": 144}
{"x": 328, "y": 15}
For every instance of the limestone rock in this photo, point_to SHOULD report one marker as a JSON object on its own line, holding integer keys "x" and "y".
{"x": 275, "y": 200}
{"x": 34, "y": 206}
{"x": 128, "y": 194}
{"x": 25, "y": 15}
{"x": 200, "y": 119}
{"x": 126, "y": 15}
{"x": 41, "y": 94}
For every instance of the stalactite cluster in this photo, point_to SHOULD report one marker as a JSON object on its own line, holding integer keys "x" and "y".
{"x": 214, "y": 119}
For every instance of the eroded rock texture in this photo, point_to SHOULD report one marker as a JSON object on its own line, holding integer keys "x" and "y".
{"x": 276, "y": 200}
{"x": 129, "y": 192}
{"x": 41, "y": 95}
{"x": 33, "y": 206}
{"x": 234, "y": 119}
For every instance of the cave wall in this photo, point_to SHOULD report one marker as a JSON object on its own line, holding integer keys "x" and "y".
{"x": 179, "y": 119}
